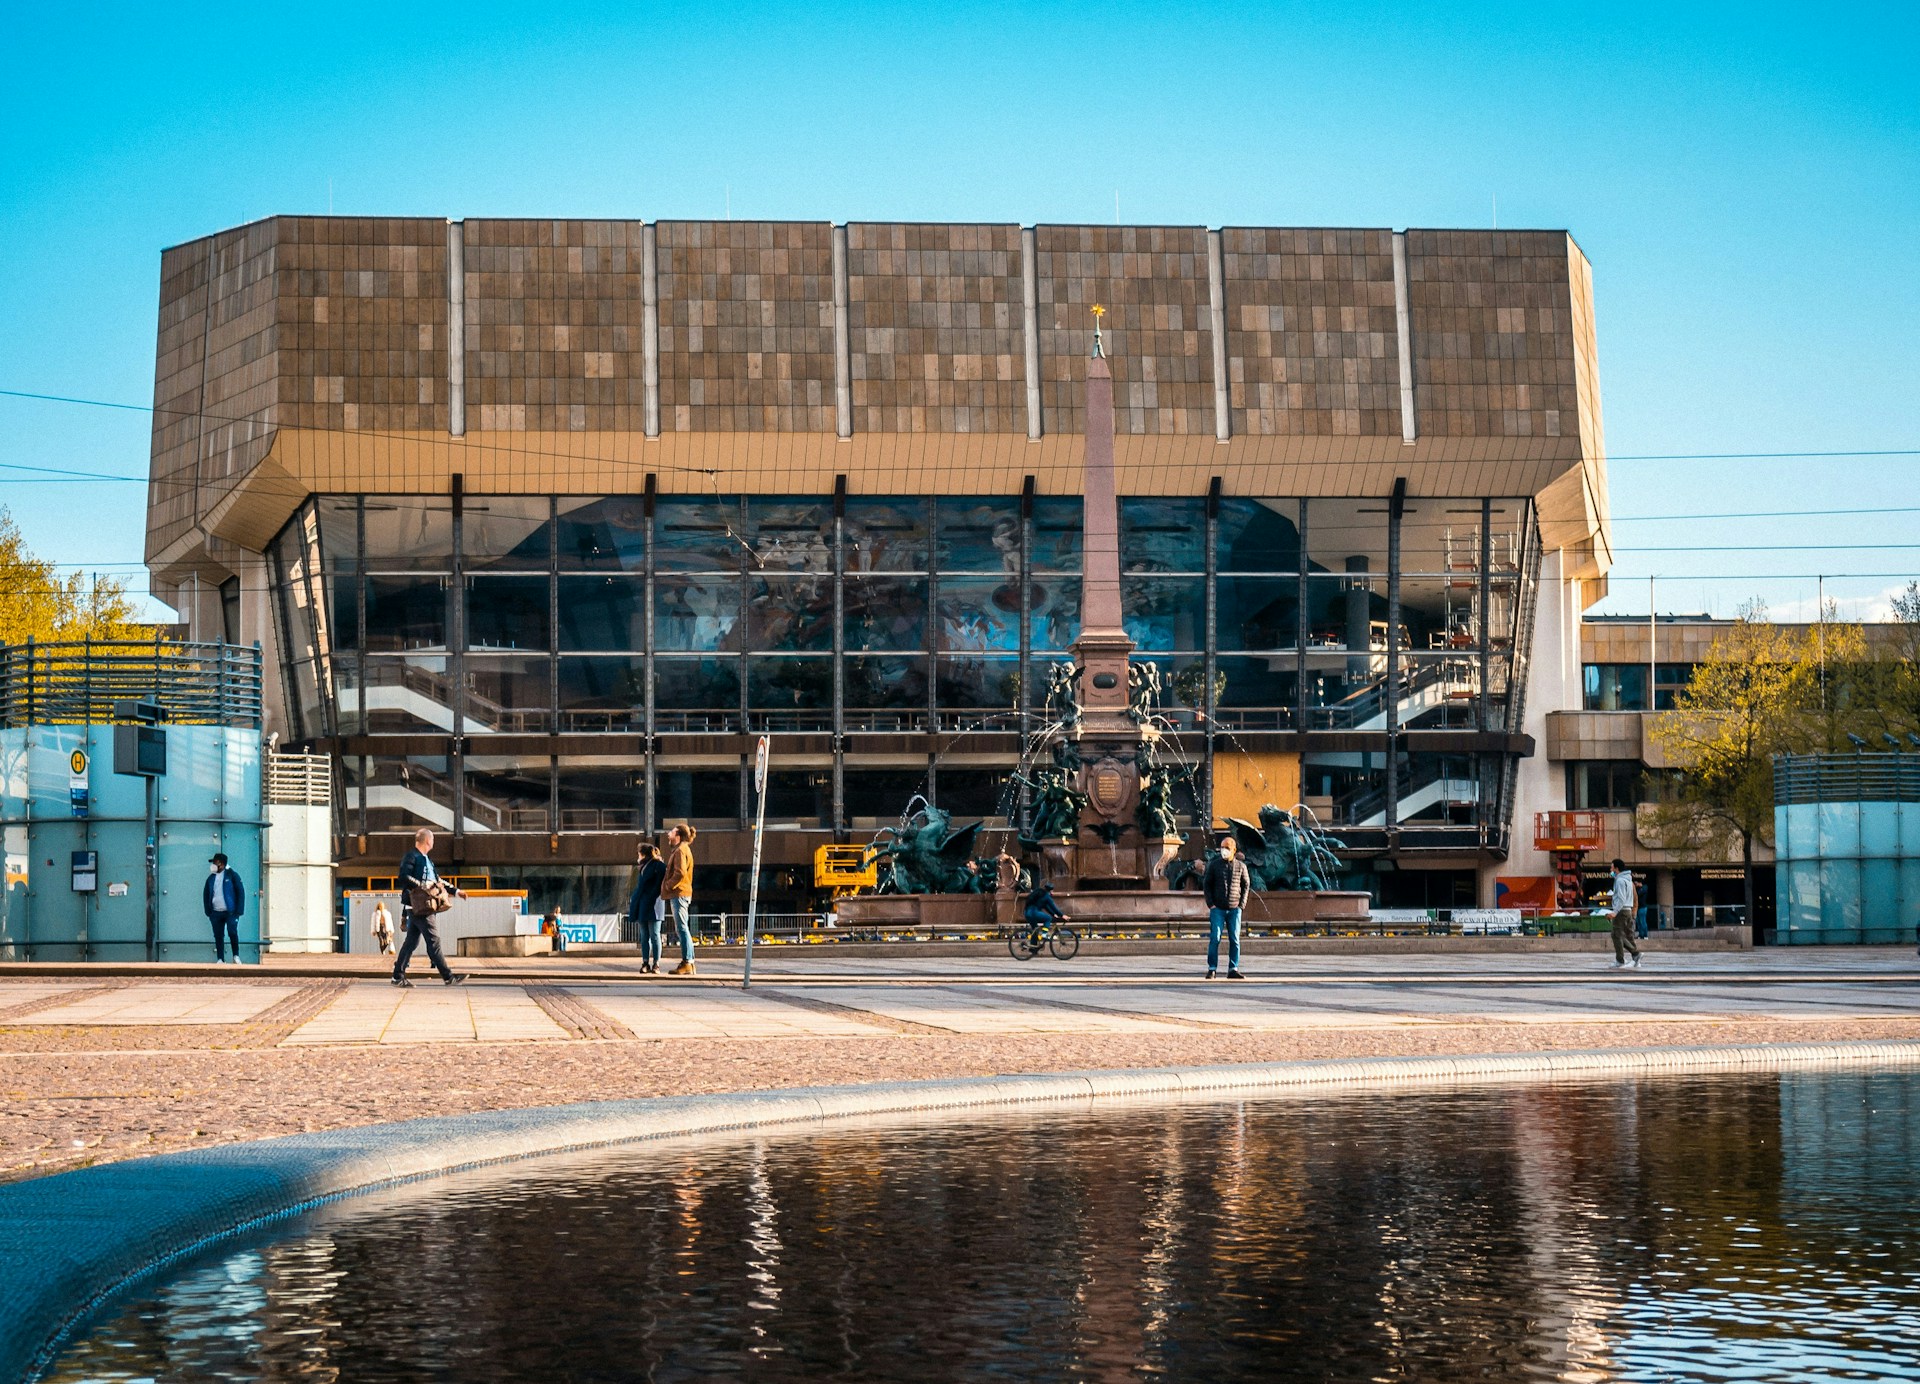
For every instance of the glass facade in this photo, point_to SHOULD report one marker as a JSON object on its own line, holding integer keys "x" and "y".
{"x": 628, "y": 615}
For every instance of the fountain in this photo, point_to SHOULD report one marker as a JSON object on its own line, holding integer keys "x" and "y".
{"x": 1102, "y": 828}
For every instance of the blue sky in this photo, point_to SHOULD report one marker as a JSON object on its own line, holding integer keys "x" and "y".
{"x": 1745, "y": 179}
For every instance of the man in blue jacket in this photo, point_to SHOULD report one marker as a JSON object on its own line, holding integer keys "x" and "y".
{"x": 224, "y": 899}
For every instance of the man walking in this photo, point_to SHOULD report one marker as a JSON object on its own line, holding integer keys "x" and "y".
{"x": 1227, "y": 887}
{"x": 676, "y": 887}
{"x": 1625, "y": 897}
{"x": 224, "y": 899}
{"x": 417, "y": 881}
{"x": 643, "y": 908}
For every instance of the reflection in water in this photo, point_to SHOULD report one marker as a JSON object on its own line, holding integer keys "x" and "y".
{"x": 1750, "y": 1228}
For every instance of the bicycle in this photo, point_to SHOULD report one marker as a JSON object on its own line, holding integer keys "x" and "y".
{"x": 1024, "y": 940}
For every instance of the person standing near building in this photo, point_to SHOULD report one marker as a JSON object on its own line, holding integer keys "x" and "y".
{"x": 676, "y": 887}
{"x": 1625, "y": 897}
{"x": 224, "y": 899}
{"x": 418, "y": 879}
{"x": 644, "y": 909}
{"x": 1227, "y": 885}
{"x": 382, "y": 927}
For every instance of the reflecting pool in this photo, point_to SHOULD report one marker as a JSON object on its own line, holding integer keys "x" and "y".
{"x": 1751, "y": 1228}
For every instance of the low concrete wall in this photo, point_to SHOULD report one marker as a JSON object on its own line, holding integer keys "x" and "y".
{"x": 70, "y": 1241}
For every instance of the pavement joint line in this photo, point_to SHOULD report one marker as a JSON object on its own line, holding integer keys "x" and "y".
{"x": 1144, "y": 1015}
{"x": 174, "y": 1205}
{"x": 871, "y": 1017}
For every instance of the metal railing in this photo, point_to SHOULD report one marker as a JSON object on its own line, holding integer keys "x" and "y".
{"x": 80, "y": 682}
{"x": 299, "y": 780}
{"x": 1867, "y": 777}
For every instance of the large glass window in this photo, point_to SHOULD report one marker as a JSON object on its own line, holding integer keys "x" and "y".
{"x": 974, "y": 682}
{"x": 507, "y": 794}
{"x": 886, "y": 614}
{"x": 695, "y": 614}
{"x": 1615, "y": 687}
{"x": 704, "y": 796}
{"x": 877, "y": 797}
{"x": 1258, "y": 535}
{"x": 506, "y": 532}
{"x": 507, "y": 693}
{"x": 987, "y": 794}
{"x": 800, "y": 687}
{"x": 700, "y": 693}
{"x": 603, "y": 613}
{"x": 1056, "y": 612}
{"x": 978, "y": 536}
{"x": 409, "y": 533}
{"x": 604, "y": 693}
{"x": 1056, "y": 533}
{"x": 1253, "y": 612}
{"x": 1163, "y": 534}
{"x": 886, "y": 682}
{"x": 789, "y": 614}
{"x": 800, "y": 797}
{"x": 407, "y": 612}
{"x": 886, "y": 535}
{"x": 790, "y": 536}
{"x": 1438, "y": 790}
{"x": 507, "y": 612}
{"x": 1623, "y": 686}
{"x": 408, "y": 695}
{"x": 601, "y": 533}
{"x": 692, "y": 535}
{"x": 1605, "y": 783}
{"x": 410, "y": 792}
{"x": 601, "y": 797}
{"x": 1254, "y": 693}
{"x": 978, "y": 615}
{"x": 1164, "y": 614}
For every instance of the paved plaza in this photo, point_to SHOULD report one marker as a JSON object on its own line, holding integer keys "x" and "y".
{"x": 110, "y": 1063}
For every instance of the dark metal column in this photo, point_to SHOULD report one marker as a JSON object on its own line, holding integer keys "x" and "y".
{"x": 650, "y": 806}
{"x": 1485, "y": 622}
{"x": 1210, "y": 663}
{"x": 457, "y": 665}
{"x": 1025, "y": 666}
{"x": 360, "y": 643}
{"x": 839, "y": 822}
{"x": 1390, "y": 694}
{"x": 933, "y": 626}
{"x": 1303, "y": 629}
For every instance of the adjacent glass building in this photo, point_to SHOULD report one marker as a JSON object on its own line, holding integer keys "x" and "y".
{"x": 547, "y": 527}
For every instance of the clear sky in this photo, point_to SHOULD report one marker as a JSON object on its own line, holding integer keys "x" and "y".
{"x": 1744, "y": 178}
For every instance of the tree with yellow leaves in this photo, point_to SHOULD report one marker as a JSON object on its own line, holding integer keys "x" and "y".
{"x": 37, "y": 603}
{"x": 1758, "y": 693}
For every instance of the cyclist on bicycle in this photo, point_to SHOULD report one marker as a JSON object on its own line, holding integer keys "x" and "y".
{"x": 1040, "y": 914}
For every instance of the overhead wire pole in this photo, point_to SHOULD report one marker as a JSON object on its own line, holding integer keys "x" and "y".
{"x": 759, "y": 834}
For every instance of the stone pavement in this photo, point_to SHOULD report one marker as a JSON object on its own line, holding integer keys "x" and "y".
{"x": 815, "y": 994}
{"x": 100, "y": 1065}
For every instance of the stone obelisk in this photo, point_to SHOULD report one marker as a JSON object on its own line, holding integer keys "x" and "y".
{"x": 1101, "y": 650}
{"x": 1108, "y": 852}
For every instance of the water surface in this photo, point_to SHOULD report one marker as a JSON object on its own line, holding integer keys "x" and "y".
{"x": 1752, "y": 1228}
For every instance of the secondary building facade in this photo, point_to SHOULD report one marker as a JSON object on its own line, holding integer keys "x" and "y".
{"x": 541, "y": 523}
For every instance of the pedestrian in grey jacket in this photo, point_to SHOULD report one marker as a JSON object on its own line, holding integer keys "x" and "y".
{"x": 1227, "y": 885}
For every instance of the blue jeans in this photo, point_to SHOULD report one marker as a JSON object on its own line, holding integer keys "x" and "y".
{"x": 680, "y": 910}
{"x": 1217, "y": 919}
{"x": 649, "y": 937}
{"x": 226, "y": 930}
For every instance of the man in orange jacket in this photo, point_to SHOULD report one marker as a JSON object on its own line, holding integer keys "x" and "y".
{"x": 677, "y": 889}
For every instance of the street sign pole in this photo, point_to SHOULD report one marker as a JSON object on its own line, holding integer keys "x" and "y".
{"x": 753, "y": 882}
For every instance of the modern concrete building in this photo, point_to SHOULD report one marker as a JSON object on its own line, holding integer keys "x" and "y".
{"x": 542, "y": 521}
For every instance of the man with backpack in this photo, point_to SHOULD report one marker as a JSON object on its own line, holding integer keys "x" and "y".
{"x": 423, "y": 895}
